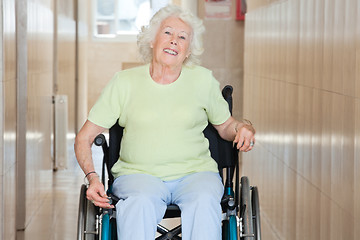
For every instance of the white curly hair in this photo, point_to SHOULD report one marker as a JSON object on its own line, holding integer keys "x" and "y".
{"x": 148, "y": 33}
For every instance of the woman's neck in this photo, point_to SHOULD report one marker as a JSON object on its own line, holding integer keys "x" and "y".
{"x": 163, "y": 74}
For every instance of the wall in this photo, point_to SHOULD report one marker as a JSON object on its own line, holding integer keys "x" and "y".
{"x": 82, "y": 66}
{"x": 104, "y": 59}
{"x": 27, "y": 87}
{"x": 32, "y": 73}
{"x": 224, "y": 51}
{"x": 2, "y": 113}
{"x": 8, "y": 125}
{"x": 38, "y": 171}
{"x": 64, "y": 59}
{"x": 302, "y": 89}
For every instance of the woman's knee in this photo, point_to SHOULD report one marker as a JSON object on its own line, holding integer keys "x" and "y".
{"x": 140, "y": 185}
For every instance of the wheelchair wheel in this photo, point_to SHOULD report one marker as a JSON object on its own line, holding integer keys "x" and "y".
{"x": 246, "y": 210}
{"x": 87, "y": 229}
{"x": 256, "y": 212}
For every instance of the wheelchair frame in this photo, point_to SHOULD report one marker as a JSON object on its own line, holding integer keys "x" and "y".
{"x": 241, "y": 208}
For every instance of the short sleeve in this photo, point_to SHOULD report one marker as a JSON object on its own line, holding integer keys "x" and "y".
{"x": 217, "y": 108}
{"x": 107, "y": 108}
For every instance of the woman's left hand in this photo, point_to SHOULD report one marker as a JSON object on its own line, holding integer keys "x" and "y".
{"x": 241, "y": 133}
{"x": 245, "y": 137}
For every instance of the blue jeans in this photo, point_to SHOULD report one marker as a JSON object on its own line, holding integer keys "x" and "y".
{"x": 144, "y": 199}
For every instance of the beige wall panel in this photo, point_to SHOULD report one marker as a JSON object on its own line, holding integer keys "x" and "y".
{"x": 357, "y": 133}
{"x": 306, "y": 45}
{"x": 279, "y": 128}
{"x": 223, "y": 54}
{"x": 326, "y": 144}
{"x": 83, "y": 36}
{"x": 290, "y": 126}
{"x": 255, "y": 4}
{"x": 325, "y": 217}
{"x": 328, "y": 45}
{"x": 313, "y": 210}
{"x": 292, "y": 41}
{"x": 234, "y": 44}
{"x": 289, "y": 199}
{"x": 357, "y": 170}
{"x": 274, "y": 52}
{"x": 65, "y": 56}
{"x": 318, "y": 43}
{"x": 39, "y": 109}
{"x": 336, "y": 117}
{"x": 282, "y": 41}
{"x": 348, "y": 157}
{"x": 338, "y": 45}
{"x": 306, "y": 116}
{"x": 9, "y": 204}
{"x": 7, "y": 174}
{"x": 304, "y": 131}
{"x": 357, "y": 80}
{"x": 349, "y": 55}
{"x": 316, "y": 138}
{"x": 212, "y": 48}
{"x": 104, "y": 60}
{"x": 303, "y": 207}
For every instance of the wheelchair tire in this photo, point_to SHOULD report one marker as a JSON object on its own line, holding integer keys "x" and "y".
{"x": 86, "y": 217}
{"x": 256, "y": 212}
{"x": 246, "y": 209}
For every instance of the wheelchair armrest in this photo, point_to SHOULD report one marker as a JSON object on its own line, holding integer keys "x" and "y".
{"x": 99, "y": 140}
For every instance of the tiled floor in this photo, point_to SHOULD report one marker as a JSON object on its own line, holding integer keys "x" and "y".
{"x": 57, "y": 217}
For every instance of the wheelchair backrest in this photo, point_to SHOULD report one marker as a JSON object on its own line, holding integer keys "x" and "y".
{"x": 221, "y": 150}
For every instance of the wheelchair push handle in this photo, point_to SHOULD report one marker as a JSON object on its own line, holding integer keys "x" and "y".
{"x": 99, "y": 140}
{"x": 227, "y": 94}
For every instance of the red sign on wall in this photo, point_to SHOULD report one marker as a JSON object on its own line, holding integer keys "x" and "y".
{"x": 240, "y": 10}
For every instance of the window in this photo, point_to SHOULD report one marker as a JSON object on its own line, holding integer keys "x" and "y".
{"x": 121, "y": 19}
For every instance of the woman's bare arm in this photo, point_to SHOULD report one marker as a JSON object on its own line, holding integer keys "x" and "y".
{"x": 240, "y": 133}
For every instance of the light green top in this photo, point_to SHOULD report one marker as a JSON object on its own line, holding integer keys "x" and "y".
{"x": 164, "y": 124}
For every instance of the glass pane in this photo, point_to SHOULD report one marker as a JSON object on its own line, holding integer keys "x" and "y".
{"x": 132, "y": 14}
{"x": 157, "y": 4}
{"x": 105, "y": 16}
{"x": 124, "y": 16}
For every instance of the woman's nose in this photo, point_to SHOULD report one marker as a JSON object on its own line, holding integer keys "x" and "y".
{"x": 173, "y": 41}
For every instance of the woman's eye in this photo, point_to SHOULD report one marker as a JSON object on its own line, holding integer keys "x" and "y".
{"x": 182, "y": 37}
{"x": 167, "y": 32}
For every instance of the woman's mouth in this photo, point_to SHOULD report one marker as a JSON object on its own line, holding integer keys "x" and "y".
{"x": 170, "y": 51}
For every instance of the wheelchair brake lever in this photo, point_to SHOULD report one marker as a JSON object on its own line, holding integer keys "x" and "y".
{"x": 113, "y": 199}
{"x": 225, "y": 199}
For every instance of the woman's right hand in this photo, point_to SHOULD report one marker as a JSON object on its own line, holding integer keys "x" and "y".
{"x": 97, "y": 195}
{"x": 83, "y": 142}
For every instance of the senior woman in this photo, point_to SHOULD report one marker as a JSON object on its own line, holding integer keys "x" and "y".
{"x": 164, "y": 107}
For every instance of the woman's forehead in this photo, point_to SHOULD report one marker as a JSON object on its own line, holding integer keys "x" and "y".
{"x": 176, "y": 23}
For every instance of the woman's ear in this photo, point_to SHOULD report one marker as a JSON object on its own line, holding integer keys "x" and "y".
{"x": 151, "y": 45}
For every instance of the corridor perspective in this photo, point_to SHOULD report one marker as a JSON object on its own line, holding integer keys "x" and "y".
{"x": 295, "y": 69}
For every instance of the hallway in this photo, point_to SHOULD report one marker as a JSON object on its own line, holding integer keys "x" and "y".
{"x": 56, "y": 218}
{"x": 295, "y": 69}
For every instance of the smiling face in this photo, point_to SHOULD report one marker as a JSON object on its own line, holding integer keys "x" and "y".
{"x": 171, "y": 43}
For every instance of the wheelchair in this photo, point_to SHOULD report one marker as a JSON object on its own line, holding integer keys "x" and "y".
{"x": 240, "y": 206}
